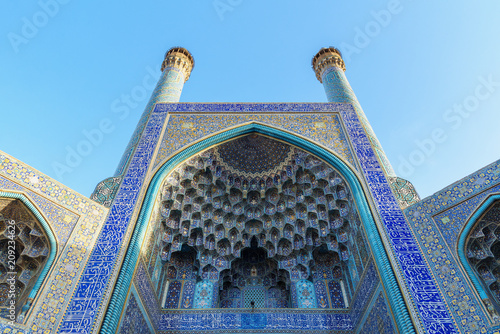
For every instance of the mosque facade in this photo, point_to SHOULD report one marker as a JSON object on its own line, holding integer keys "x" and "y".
{"x": 249, "y": 218}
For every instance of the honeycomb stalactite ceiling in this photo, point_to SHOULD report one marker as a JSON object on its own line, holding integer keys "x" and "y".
{"x": 253, "y": 155}
{"x": 286, "y": 200}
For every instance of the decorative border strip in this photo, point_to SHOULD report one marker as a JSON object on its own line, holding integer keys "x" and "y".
{"x": 248, "y": 107}
{"x": 125, "y": 277}
{"x": 52, "y": 241}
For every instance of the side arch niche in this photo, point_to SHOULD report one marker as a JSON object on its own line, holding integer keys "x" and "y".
{"x": 27, "y": 251}
{"x": 479, "y": 251}
{"x": 256, "y": 223}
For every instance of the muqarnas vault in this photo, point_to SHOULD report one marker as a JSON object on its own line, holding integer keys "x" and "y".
{"x": 249, "y": 218}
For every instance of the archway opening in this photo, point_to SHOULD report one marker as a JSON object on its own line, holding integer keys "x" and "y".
{"x": 255, "y": 196}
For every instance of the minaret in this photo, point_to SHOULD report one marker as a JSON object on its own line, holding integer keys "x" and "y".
{"x": 176, "y": 69}
{"x": 329, "y": 68}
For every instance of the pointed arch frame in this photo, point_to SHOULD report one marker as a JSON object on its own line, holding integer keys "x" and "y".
{"x": 396, "y": 300}
{"x": 52, "y": 241}
{"x": 462, "y": 240}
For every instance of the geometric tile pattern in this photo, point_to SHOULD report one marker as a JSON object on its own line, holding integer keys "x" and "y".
{"x": 56, "y": 202}
{"x": 270, "y": 320}
{"x": 254, "y": 297}
{"x": 459, "y": 200}
{"x": 253, "y": 155}
{"x": 293, "y": 203}
{"x": 329, "y": 106}
{"x": 217, "y": 320}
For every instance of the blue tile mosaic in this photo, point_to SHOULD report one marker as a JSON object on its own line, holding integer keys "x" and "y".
{"x": 133, "y": 319}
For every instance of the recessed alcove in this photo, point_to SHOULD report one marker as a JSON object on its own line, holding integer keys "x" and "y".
{"x": 483, "y": 252}
{"x": 24, "y": 252}
{"x": 255, "y": 196}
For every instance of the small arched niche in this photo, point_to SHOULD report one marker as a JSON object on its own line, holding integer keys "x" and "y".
{"x": 25, "y": 249}
{"x": 482, "y": 251}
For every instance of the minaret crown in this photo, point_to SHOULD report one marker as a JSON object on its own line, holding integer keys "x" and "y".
{"x": 326, "y": 58}
{"x": 179, "y": 58}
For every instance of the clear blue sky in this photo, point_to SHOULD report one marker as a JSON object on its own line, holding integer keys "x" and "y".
{"x": 62, "y": 66}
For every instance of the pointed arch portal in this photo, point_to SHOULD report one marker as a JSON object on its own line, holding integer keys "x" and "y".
{"x": 334, "y": 252}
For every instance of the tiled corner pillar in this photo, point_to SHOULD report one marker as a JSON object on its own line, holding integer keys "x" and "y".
{"x": 330, "y": 68}
{"x": 176, "y": 69}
